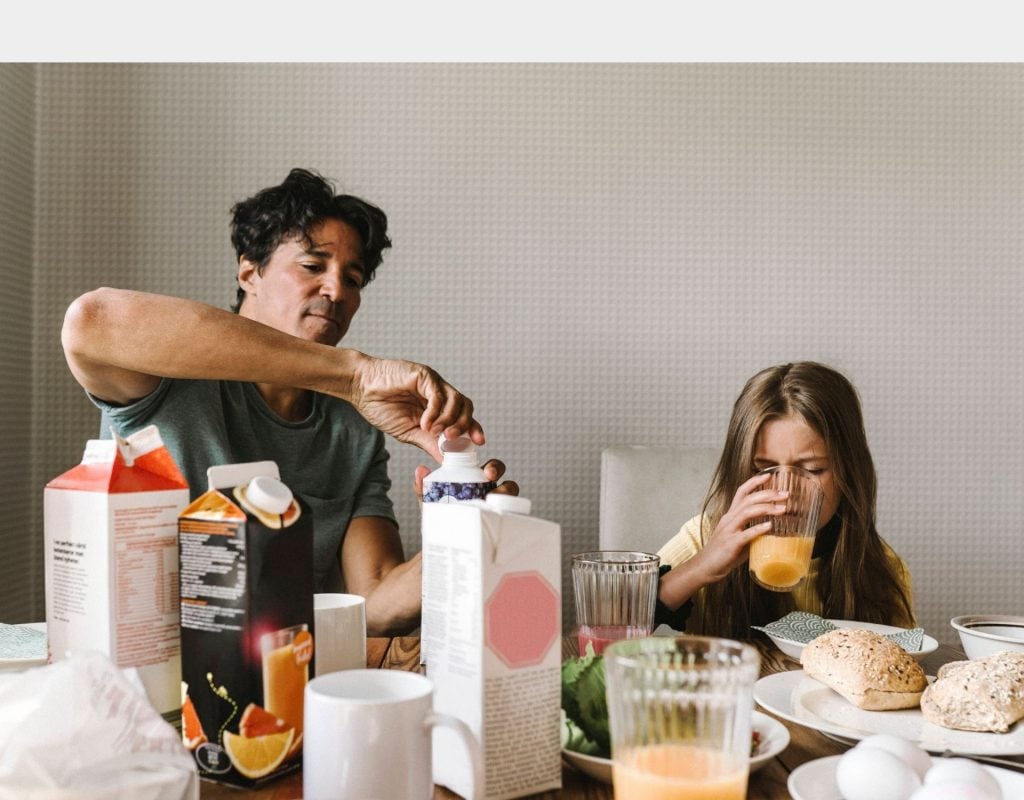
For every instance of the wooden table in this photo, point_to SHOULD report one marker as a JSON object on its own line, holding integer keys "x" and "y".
{"x": 767, "y": 783}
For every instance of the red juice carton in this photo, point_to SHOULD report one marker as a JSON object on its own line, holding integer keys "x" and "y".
{"x": 246, "y": 552}
{"x": 492, "y": 633}
{"x": 111, "y": 560}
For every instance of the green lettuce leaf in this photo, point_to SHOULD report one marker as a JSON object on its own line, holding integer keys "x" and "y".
{"x": 584, "y": 703}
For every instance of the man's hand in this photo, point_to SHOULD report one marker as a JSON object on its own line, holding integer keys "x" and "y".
{"x": 412, "y": 403}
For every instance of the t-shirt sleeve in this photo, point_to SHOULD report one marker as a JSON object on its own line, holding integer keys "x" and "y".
{"x": 371, "y": 498}
{"x": 127, "y": 419}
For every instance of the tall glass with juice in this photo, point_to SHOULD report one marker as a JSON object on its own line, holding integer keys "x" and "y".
{"x": 780, "y": 559}
{"x": 679, "y": 716}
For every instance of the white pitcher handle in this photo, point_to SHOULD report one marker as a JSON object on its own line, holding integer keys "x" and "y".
{"x": 463, "y": 731}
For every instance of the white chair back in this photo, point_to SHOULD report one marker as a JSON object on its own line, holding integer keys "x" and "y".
{"x": 647, "y": 493}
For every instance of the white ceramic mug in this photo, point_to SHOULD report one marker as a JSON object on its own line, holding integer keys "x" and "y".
{"x": 368, "y": 737}
{"x": 339, "y": 628}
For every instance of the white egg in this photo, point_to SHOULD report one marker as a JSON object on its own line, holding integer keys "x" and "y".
{"x": 952, "y": 790}
{"x": 963, "y": 770}
{"x": 906, "y": 751}
{"x": 871, "y": 773}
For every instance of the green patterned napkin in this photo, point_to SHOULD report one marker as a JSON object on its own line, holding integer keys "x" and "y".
{"x": 802, "y": 626}
{"x": 17, "y": 641}
{"x": 910, "y": 639}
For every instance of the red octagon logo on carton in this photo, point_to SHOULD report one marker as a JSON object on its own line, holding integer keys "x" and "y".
{"x": 521, "y": 619}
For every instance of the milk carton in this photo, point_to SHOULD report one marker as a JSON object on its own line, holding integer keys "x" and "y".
{"x": 246, "y": 624}
{"x": 492, "y": 627}
{"x": 111, "y": 560}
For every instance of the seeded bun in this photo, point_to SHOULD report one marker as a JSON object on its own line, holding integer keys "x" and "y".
{"x": 982, "y": 695}
{"x": 869, "y": 670}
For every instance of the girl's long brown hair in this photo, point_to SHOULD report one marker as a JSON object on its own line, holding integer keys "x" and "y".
{"x": 859, "y": 581}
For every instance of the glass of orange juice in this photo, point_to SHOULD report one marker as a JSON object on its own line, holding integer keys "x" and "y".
{"x": 779, "y": 560}
{"x": 679, "y": 715}
{"x": 286, "y": 654}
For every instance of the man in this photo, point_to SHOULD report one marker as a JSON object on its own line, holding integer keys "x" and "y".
{"x": 270, "y": 383}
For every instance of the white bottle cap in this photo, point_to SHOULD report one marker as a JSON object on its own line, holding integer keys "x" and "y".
{"x": 460, "y": 444}
{"x": 268, "y": 494}
{"x": 509, "y": 502}
{"x": 459, "y": 450}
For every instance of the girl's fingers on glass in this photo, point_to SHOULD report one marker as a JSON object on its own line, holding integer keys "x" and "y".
{"x": 751, "y": 482}
{"x": 767, "y": 496}
{"x": 758, "y": 529}
{"x": 761, "y": 510}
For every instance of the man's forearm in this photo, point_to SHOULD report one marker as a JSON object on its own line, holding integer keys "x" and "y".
{"x": 393, "y": 602}
{"x": 115, "y": 338}
{"x": 374, "y": 566}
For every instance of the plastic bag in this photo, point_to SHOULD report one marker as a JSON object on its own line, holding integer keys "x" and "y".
{"x": 80, "y": 728}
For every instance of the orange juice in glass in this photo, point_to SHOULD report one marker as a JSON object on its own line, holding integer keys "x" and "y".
{"x": 679, "y": 772}
{"x": 286, "y": 655}
{"x": 780, "y": 562}
{"x": 780, "y": 559}
{"x": 679, "y": 716}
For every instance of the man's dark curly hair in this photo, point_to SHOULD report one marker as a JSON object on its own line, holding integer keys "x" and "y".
{"x": 301, "y": 202}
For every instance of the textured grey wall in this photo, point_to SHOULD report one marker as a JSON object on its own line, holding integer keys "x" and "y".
{"x": 18, "y": 495}
{"x": 601, "y": 254}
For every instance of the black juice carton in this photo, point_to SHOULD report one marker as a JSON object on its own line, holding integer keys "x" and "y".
{"x": 246, "y": 562}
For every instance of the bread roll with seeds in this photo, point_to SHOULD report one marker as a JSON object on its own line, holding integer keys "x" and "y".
{"x": 869, "y": 670}
{"x": 982, "y": 695}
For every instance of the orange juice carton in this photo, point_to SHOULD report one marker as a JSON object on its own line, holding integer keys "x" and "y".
{"x": 492, "y": 628}
{"x": 111, "y": 561}
{"x": 246, "y": 551}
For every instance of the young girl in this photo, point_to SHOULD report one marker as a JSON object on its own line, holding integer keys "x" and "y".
{"x": 805, "y": 414}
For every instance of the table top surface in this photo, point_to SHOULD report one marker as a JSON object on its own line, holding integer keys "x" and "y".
{"x": 767, "y": 783}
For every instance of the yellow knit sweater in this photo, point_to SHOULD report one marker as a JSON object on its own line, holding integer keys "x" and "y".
{"x": 692, "y": 537}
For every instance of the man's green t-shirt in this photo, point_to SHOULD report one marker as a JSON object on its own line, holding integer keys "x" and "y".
{"x": 334, "y": 459}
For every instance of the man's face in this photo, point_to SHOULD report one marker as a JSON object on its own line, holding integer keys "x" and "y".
{"x": 310, "y": 291}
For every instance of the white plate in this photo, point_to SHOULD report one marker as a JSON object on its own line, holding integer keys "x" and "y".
{"x": 13, "y": 664}
{"x": 794, "y": 696}
{"x": 793, "y": 648}
{"x": 600, "y": 769}
{"x": 816, "y": 780}
{"x": 774, "y": 739}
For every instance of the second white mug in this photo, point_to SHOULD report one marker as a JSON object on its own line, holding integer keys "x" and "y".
{"x": 339, "y": 631}
{"x": 368, "y": 737}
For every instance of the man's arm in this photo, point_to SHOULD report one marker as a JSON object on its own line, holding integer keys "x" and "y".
{"x": 119, "y": 343}
{"x": 373, "y": 566}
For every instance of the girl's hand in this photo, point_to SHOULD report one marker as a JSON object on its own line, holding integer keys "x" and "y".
{"x": 728, "y": 546}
